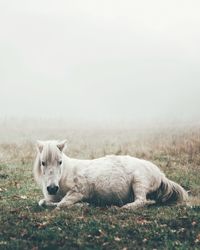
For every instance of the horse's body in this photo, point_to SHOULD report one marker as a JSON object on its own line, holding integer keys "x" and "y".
{"x": 119, "y": 180}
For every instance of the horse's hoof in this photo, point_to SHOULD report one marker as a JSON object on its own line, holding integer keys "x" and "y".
{"x": 151, "y": 202}
{"x": 127, "y": 207}
{"x": 57, "y": 209}
{"x": 41, "y": 203}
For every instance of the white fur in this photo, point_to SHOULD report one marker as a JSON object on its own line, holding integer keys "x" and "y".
{"x": 120, "y": 180}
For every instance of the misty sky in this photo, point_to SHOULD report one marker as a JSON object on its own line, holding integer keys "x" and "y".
{"x": 100, "y": 60}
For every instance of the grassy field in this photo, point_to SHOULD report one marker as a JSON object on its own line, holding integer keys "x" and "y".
{"x": 24, "y": 225}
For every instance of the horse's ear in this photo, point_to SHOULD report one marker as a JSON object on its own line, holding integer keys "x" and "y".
{"x": 61, "y": 145}
{"x": 40, "y": 146}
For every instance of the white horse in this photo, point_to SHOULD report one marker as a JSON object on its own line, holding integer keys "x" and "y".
{"x": 111, "y": 180}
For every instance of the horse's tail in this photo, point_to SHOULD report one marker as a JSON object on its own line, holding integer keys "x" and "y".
{"x": 170, "y": 191}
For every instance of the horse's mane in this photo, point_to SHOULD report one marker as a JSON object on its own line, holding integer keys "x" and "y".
{"x": 37, "y": 170}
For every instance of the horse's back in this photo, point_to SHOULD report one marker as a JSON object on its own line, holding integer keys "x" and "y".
{"x": 120, "y": 163}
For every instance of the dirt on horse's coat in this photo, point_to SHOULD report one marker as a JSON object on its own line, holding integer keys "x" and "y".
{"x": 119, "y": 180}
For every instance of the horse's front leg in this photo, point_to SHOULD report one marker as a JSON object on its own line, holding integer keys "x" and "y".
{"x": 45, "y": 202}
{"x": 70, "y": 199}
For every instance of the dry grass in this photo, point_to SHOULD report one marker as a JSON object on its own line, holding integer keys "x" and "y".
{"x": 175, "y": 150}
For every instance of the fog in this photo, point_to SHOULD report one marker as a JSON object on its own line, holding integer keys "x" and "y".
{"x": 100, "y": 61}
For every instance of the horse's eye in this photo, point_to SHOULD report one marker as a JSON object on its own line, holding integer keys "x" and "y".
{"x": 60, "y": 162}
{"x": 43, "y": 163}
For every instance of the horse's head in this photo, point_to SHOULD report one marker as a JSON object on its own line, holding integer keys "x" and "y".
{"x": 51, "y": 163}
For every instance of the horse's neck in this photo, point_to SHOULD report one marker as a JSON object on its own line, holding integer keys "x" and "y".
{"x": 74, "y": 165}
{"x": 69, "y": 164}
{"x": 70, "y": 171}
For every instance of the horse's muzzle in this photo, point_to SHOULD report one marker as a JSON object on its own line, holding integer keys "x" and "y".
{"x": 52, "y": 189}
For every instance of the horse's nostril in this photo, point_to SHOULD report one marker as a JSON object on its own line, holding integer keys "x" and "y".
{"x": 52, "y": 189}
